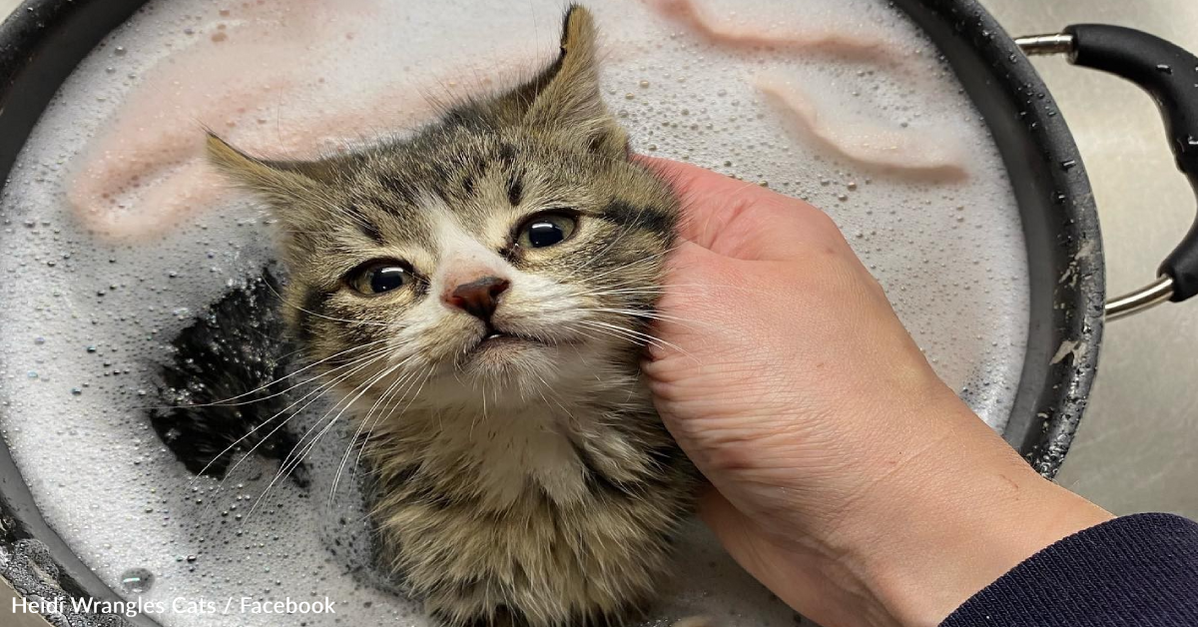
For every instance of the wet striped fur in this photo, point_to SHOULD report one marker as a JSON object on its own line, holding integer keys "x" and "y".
{"x": 532, "y": 484}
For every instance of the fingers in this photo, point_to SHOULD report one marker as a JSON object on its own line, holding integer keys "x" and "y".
{"x": 743, "y": 220}
{"x": 717, "y": 513}
{"x": 698, "y": 287}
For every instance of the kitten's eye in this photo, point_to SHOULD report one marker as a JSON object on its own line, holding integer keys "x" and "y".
{"x": 546, "y": 229}
{"x": 378, "y": 277}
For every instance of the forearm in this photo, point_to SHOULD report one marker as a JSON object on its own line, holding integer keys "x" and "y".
{"x": 948, "y": 515}
{"x": 963, "y": 516}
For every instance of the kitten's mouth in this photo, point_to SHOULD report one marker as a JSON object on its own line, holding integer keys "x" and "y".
{"x": 500, "y": 338}
{"x": 494, "y": 338}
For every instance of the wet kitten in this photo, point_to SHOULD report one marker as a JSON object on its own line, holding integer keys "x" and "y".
{"x": 482, "y": 291}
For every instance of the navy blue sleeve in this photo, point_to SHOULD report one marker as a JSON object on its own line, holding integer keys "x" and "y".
{"x": 1137, "y": 570}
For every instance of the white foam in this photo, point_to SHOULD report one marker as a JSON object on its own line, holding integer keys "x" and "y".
{"x": 949, "y": 253}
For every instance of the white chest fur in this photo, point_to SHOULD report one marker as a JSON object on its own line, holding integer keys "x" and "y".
{"x": 509, "y": 452}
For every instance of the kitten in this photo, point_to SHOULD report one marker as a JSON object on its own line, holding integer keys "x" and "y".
{"x": 483, "y": 289}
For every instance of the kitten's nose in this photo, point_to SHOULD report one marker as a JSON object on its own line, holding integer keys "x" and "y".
{"x": 478, "y": 298}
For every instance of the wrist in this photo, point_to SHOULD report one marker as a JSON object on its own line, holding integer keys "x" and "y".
{"x": 953, "y": 522}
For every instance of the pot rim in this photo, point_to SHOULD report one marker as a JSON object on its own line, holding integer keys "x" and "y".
{"x": 1064, "y": 243}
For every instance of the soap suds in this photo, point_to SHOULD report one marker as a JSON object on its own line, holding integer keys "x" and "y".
{"x": 864, "y": 142}
{"x": 146, "y": 172}
{"x": 843, "y": 41}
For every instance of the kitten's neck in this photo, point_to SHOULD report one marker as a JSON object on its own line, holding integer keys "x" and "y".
{"x": 495, "y": 452}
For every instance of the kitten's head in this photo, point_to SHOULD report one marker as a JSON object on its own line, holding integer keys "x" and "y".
{"x": 514, "y": 244}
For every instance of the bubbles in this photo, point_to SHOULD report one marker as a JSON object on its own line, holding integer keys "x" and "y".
{"x": 104, "y": 310}
{"x": 137, "y": 581}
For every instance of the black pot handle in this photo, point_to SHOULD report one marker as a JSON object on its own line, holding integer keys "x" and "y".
{"x": 1170, "y": 75}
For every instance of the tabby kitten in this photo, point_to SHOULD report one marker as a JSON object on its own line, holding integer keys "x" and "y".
{"x": 481, "y": 290}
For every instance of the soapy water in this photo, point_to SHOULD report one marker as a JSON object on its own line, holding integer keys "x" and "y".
{"x": 115, "y": 236}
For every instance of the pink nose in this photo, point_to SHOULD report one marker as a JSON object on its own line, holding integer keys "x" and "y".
{"x": 478, "y": 298}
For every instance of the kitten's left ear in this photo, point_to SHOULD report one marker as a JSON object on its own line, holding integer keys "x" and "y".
{"x": 279, "y": 181}
{"x": 565, "y": 98}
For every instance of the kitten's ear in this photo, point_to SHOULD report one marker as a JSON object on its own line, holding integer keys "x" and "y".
{"x": 278, "y": 181}
{"x": 565, "y": 97}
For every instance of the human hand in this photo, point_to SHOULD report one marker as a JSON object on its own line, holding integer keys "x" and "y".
{"x": 847, "y": 477}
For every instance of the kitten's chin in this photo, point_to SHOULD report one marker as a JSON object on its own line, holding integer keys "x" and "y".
{"x": 519, "y": 363}
{"x": 505, "y": 351}
{"x": 502, "y": 356}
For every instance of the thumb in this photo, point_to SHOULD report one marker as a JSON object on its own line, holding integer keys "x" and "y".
{"x": 743, "y": 220}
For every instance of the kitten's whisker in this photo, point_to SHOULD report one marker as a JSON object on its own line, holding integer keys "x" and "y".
{"x": 293, "y": 461}
{"x": 655, "y": 257}
{"x": 226, "y": 402}
{"x": 314, "y": 396}
{"x": 474, "y": 422}
{"x": 649, "y": 315}
{"x": 599, "y": 325}
{"x": 362, "y": 423}
{"x": 629, "y": 334}
{"x": 294, "y": 458}
{"x": 670, "y": 287}
{"x": 355, "y": 439}
{"x": 638, "y": 288}
{"x": 652, "y": 291}
{"x": 390, "y": 407}
{"x": 613, "y": 332}
{"x": 652, "y": 317}
{"x": 384, "y": 397}
{"x": 332, "y": 319}
{"x": 589, "y": 336}
{"x": 287, "y": 303}
{"x": 360, "y": 361}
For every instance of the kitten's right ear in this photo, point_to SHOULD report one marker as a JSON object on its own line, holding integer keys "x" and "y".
{"x": 277, "y": 181}
{"x": 565, "y": 97}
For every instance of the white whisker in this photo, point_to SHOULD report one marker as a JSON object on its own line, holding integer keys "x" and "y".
{"x": 360, "y": 362}
{"x": 226, "y": 402}
{"x": 295, "y": 459}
